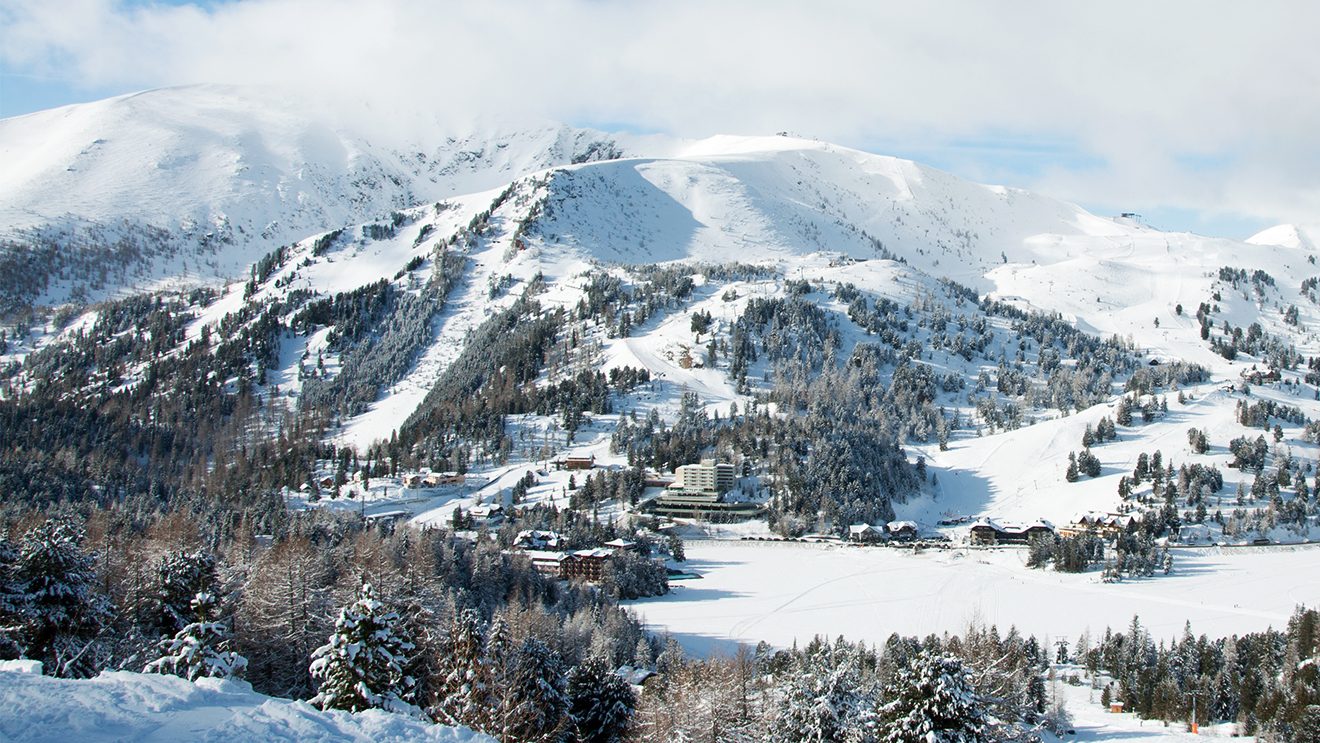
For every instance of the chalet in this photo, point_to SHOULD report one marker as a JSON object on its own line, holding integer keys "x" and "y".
{"x": 1107, "y": 525}
{"x": 864, "y": 533}
{"x": 536, "y": 539}
{"x": 491, "y": 512}
{"x": 412, "y": 481}
{"x": 326, "y": 482}
{"x": 438, "y": 479}
{"x": 579, "y": 463}
{"x": 622, "y": 545}
{"x": 901, "y": 531}
{"x": 988, "y": 531}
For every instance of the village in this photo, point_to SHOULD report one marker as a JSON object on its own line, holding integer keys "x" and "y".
{"x": 695, "y": 501}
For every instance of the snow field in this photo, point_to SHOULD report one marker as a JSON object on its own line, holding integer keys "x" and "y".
{"x": 784, "y": 593}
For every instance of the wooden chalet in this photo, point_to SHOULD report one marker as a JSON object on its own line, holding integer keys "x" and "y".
{"x": 989, "y": 531}
{"x": 579, "y": 463}
{"x": 1107, "y": 525}
{"x": 901, "y": 531}
{"x": 864, "y": 533}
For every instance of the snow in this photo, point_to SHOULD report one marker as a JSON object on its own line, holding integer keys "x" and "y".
{"x": 785, "y": 592}
{"x": 1095, "y": 723}
{"x": 251, "y": 167}
{"x": 1287, "y": 235}
{"x": 118, "y": 706}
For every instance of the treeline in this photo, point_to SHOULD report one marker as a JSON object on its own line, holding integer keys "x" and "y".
{"x": 982, "y": 686}
{"x": 1266, "y": 682}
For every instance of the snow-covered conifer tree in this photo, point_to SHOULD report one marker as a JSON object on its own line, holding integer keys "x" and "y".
{"x": 536, "y": 707}
{"x": 464, "y": 694}
{"x": 364, "y": 665}
{"x": 13, "y": 603}
{"x": 931, "y": 700}
{"x": 201, "y": 648}
{"x": 602, "y": 703}
{"x": 65, "y": 611}
{"x": 180, "y": 577}
{"x": 825, "y": 701}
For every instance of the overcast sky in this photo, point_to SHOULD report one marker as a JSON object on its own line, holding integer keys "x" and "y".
{"x": 1202, "y": 115}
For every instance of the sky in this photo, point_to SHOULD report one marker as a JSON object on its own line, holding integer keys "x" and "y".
{"x": 1198, "y": 114}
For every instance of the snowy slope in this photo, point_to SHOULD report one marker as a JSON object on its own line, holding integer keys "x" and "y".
{"x": 232, "y": 173}
{"x": 119, "y": 706}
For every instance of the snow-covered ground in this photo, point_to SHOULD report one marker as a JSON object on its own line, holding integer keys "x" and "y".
{"x": 789, "y": 592}
{"x": 122, "y": 706}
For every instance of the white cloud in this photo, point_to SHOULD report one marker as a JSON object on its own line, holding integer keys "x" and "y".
{"x": 1153, "y": 91}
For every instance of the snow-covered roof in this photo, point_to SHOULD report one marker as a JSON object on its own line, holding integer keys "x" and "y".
{"x": 900, "y": 525}
{"x": 1012, "y": 527}
{"x": 594, "y": 552}
{"x": 861, "y": 529}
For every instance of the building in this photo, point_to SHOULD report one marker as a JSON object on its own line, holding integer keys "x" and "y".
{"x": 1107, "y": 525}
{"x": 438, "y": 479}
{"x": 549, "y": 564}
{"x": 706, "y": 477}
{"x": 492, "y": 513}
{"x": 588, "y": 565}
{"x": 623, "y": 545}
{"x": 579, "y": 463}
{"x": 536, "y": 539}
{"x": 989, "y": 531}
{"x": 864, "y": 533}
{"x": 902, "y": 531}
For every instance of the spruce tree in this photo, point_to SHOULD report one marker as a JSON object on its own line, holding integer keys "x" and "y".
{"x": 537, "y": 703}
{"x": 180, "y": 577}
{"x": 65, "y": 611}
{"x": 364, "y": 664}
{"x": 13, "y": 603}
{"x": 201, "y": 648}
{"x": 463, "y": 694}
{"x": 601, "y": 703}
{"x": 931, "y": 700}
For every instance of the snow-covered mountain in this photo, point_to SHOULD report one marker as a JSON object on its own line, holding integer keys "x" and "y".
{"x": 397, "y": 263}
{"x": 203, "y": 180}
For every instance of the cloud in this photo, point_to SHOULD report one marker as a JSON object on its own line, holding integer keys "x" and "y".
{"x": 1200, "y": 105}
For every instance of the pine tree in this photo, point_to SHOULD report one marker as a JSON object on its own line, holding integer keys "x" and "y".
{"x": 64, "y": 609}
{"x": 932, "y": 701}
{"x": 201, "y": 648}
{"x": 1070, "y": 474}
{"x": 601, "y": 703}
{"x": 364, "y": 665}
